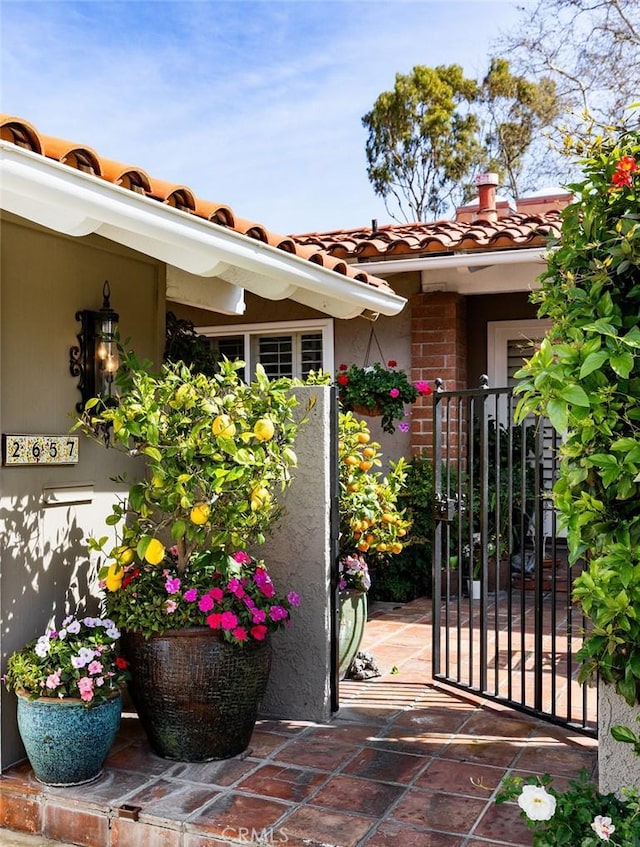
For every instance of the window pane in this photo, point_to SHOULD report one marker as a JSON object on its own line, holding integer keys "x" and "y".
{"x": 275, "y": 354}
{"x": 311, "y": 352}
{"x": 232, "y": 347}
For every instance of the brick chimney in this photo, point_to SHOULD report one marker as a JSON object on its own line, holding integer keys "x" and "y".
{"x": 487, "y": 184}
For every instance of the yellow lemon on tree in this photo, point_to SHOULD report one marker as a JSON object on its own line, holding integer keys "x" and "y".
{"x": 260, "y": 497}
{"x": 114, "y": 577}
{"x": 125, "y": 555}
{"x": 200, "y": 513}
{"x": 224, "y": 426}
{"x": 154, "y": 553}
{"x": 264, "y": 429}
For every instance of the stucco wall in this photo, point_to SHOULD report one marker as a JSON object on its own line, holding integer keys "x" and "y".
{"x": 45, "y": 278}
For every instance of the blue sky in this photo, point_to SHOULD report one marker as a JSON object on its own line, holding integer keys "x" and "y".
{"x": 253, "y": 104}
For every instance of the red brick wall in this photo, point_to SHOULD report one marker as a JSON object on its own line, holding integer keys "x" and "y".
{"x": 438, "y": 350}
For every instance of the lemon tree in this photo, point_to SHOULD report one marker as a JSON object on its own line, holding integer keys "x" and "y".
{"x": 370, "y": 520}
{"x": 216, "y": 449}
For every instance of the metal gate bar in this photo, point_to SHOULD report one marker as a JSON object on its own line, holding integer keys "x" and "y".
{"x": 516, "y": 642}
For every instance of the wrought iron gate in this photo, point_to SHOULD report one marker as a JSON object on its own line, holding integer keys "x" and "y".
{"x": 503, "y": 623}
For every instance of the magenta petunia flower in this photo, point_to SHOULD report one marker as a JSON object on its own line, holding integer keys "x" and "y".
{"x": 259, "y": 632}
{"x": 191, "y": 595}
{"x": 403, "y": 426}
{"x": 228, "y": 620}
{"x": 241, "y": 557}
{"x": 278, "y": 613}
{"x": 258, "y": 615}
{"x": 394, "y": 392}
{"x": 172, "y": 586}
{"x": 206, "y": 603}
{"x": 239, "y": 633}
{"x": 293, "y": 598}
{"x": 216, "y": 594}
{"x": 422, "y": 387}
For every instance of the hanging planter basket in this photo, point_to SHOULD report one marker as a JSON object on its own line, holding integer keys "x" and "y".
{"x": 367, "y": 412}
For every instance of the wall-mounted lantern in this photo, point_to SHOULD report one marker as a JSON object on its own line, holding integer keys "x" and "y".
{"x": 95, "y": 360}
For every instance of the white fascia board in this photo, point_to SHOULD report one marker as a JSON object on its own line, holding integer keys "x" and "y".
{"x": 456, "y": 272}
{"x": 67, "y": 200}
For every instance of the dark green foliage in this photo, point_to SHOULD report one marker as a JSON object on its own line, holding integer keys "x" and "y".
{"x": 407, "y": 575}
{"x": 183, "y": 344}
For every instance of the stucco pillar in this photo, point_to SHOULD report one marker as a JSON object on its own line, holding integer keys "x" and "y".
{"x": 298, "y": 554}
{"x": 618, "y": 765}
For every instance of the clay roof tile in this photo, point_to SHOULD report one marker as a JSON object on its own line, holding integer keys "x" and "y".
{"x": 77, "y": 156}
{"x": 20, "y": 132}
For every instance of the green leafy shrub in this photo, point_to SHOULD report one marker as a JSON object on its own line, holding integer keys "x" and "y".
{"x": 586, "y": 379}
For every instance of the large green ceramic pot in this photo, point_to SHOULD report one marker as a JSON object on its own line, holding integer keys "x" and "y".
{"x": 352, "y": 618}
{"x": 66, "y": 741}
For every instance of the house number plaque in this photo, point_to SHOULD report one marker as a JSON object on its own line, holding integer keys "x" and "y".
{"x": 39, "y": 449}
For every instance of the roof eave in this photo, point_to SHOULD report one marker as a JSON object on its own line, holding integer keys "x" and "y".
{"x": 74, "y": 203}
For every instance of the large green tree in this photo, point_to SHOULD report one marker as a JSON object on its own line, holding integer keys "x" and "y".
{"x": 517, "y": 111}
{"x": 422, "y": 140}
{"x": 430, "y": 135}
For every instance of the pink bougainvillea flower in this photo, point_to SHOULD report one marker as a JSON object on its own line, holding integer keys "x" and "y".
{"x": 206, "y": 603}
{"x": 239, "y": 633}
{"x": 172, "y": 586}
{"x": 293, "y": 598}
{"x": 392, "y": 363}
{"x": 228, "y": 620}
{"x": 394, "y": 392}
{"x": 95, "y": 667}
{"x": 170, "y": 606}
{"x": 213, "y": 620}
{"x": 216, "y": 594}
{"x": 191, "y": 595}
{"x": 259, "y": 632}
{"x": 403, "y": 426}
{"x": 422, "y": 387}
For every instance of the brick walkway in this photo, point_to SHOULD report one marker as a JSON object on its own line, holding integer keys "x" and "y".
{"x": 405, "y": 763}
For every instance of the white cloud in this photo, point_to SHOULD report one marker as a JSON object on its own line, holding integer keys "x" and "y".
{"x": 255, "y": 104}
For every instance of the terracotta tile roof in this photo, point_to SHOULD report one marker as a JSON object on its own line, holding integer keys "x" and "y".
{"x": 515, "y": 230}
{"x": 20, "y": 132}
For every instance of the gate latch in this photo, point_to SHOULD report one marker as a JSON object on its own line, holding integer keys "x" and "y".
{"x": 445, "y": 507}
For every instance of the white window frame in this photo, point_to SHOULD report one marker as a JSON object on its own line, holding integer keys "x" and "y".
{"x": 249, "y": 331}
{"x": 499, "y": 334}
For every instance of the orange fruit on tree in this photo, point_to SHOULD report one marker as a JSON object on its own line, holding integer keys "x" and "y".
{"x": 365, "y": 465}
{"x": 369, "y": 452}
{"x": 350, "y": 460}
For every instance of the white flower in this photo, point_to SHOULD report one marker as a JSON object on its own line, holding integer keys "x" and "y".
{"x": 85, "y": 655}
{"x": 536, "y": 803}
{"x": 113, "y": 632}
{"x": 603, "y": 827}
{"x": 42, "y": 646}
{"x": 73, "y": 627}
{"x": 62, "y": 634}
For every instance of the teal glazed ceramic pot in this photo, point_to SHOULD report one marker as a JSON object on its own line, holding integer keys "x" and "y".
{"x": 66, "y": 741}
